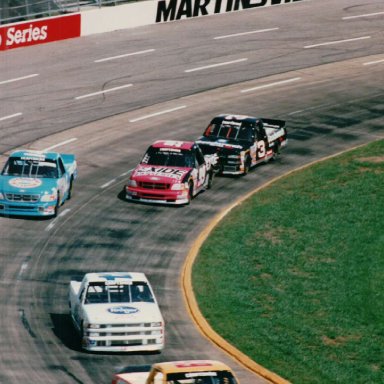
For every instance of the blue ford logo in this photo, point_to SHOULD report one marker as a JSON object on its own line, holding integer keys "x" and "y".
{"x": 123, "y": 310}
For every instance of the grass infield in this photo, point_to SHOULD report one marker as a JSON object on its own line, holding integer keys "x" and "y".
{"x": 294, "y": 276}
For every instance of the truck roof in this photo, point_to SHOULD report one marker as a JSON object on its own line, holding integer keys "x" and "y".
{"x": 111, "y": 276}
{"x": 35, "y": 155}
{"x": 173, "y": 143}
{"x": 239, "y": 118}
{"x": 191, "y": 366}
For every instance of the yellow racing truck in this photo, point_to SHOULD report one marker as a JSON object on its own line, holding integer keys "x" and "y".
{"x": 178, "y": 372}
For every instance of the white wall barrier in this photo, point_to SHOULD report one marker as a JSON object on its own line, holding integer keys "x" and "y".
{"x": 107, "y": 19}
{"x": 161, "y": 11}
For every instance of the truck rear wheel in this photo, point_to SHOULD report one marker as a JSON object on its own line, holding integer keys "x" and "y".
{"x": 276, "y": 151}
{"x": 210, "y": 177}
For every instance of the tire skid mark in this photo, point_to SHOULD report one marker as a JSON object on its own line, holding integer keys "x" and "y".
{"x": 25, "y": 323}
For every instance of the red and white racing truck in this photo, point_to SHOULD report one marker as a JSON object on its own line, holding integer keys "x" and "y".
{"x": 171, "y": 172}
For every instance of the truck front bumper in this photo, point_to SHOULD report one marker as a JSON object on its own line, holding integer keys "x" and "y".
{"x": 157, "y": 196}
{"x": 13, "y": 208}
{"x": 104, "y": 344}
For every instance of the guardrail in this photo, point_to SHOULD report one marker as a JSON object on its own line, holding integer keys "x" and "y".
{"x": 12, "y": 11}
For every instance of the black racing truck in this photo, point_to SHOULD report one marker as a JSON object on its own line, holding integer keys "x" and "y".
{"x": 241, "y": 142}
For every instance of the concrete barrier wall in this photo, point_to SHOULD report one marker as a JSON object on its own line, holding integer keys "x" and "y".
{"x": 107, "y": 19}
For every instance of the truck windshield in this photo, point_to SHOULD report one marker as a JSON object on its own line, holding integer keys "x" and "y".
{"x": 17, "y": 166}
{"x": 101, "y": 293}
{"x": 236, "y": 131}
{"x": 169, "y": 157}
{"x": 209, "y": 377}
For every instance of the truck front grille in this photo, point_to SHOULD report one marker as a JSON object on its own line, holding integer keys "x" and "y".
{"x": 22, "y": 197}
{"x": 150, "y": 185}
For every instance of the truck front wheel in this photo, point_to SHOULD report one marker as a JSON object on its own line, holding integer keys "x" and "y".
{"x": 247, "y": 165}
{"x": 70, "y": 189}
{"x": 190, "y": 192}
{"x": 57, "y": 206}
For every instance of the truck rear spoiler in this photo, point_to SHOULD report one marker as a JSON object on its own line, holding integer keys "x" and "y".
{"x": 68, "y": 159}
{"x": 273, "y": 123}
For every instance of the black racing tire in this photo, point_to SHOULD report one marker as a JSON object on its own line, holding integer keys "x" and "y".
{"x": 276, "y": 151}
{"x": 190, "y": 192}
{"x": 70, "y": 192}
{"x": 57, "y": 206}
{"x": 210, "y": 176}
{"x": 247, "y": 166}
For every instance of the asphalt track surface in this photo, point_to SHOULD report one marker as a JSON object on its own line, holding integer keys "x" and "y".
{"x": 330, "y": 94}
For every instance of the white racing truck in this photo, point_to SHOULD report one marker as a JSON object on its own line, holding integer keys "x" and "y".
{"x": 116, "y": 311}
{"x": 178, "y": 372}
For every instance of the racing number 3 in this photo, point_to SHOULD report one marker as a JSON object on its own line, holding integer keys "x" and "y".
{"x": 261, "y": 149}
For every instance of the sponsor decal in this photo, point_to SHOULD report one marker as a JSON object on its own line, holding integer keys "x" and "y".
{"x": 123, "y": 310}
{"x": 23, "y": 182}
{"x": 200, "y": 374}
{"x": 222, "y": 143}
{"x": 176, "y": 174}
{"x": 187, "y": 364}
{"x": 169, "y": 10}
{"x": 38, "y": 32}
{"x": 33, "y": 157}
{"x": 114, "y": 277}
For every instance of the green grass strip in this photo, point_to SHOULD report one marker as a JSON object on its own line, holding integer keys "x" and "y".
{"x": 294, "y": 276}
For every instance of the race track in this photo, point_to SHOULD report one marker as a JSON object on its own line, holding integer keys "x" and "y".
{"x": 309, "y": 63}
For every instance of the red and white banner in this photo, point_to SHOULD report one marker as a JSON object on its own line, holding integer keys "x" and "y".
{"x": 40, "y": 31}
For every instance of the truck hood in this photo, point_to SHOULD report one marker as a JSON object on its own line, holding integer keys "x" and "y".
{"x": 223, "y": 143}
{"x": 119, "y": 313}
{"x": 31, "y": 185}
{"x": 160, "y": 174}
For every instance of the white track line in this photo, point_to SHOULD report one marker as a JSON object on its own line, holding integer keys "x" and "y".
{"x": 374, "y": 62}
{"x": 110, "y": 182}
{"x": 244, "y": 33}
{"x": 157, "y": 113}
{"x": 104, "y": 91}
{"x": 337, "y": 42}
{"x": 124, "y": 55}
{"x": 54, "y": 221}
{"x": 59, "y": 144}
{"x": 23, "y": 268}
{"x": 366, "y": 15}
{"x": 271, "y": 85}
{"x": 10, "y": 116}
{"x": 215, "y": 65}
{"x": 18, "y": 79}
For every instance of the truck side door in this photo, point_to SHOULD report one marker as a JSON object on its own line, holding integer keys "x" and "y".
{"x": 78, "y": 307}
{"x": 63, "y": 179}
{"x": 261, "y": 139}
{"x": 201, "y": 166}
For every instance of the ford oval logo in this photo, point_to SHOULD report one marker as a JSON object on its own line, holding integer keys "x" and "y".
{"x": 122, "y": 310}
